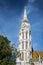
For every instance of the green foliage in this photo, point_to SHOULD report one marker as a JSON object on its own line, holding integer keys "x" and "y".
{"x": 8, "y": 54}
{"x": 5, "y": 51}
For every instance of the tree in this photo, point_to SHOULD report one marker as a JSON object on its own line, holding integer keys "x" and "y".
{"x": 15, "y": 54}
{"x": 5, "y": 50}
{"x": 8, "y": 53}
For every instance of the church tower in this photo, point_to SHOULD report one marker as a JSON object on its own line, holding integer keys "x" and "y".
{"x": 25, "y": 46}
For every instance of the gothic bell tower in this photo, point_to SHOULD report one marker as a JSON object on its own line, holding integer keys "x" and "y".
{"x": 25, "y": 46}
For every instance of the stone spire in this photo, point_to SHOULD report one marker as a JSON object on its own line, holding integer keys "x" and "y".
{"x": 25, "y": 14}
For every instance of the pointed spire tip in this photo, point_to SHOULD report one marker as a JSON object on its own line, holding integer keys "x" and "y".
{"x": 25, "y": 15}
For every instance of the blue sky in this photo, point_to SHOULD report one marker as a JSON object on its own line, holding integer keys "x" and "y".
{"x": 11, "y": 14}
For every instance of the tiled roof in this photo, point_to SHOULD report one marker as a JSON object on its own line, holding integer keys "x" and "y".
{"x": 35, "y": 55}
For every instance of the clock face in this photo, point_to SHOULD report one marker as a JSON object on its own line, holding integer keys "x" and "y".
{"x": 24, "y": 25}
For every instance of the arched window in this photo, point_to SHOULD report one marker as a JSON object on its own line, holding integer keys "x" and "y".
{"x": 23, "y": 35}
{"x": 26, "y": 44}
{"x": 22, "y": 45}
{"x": 25, "y": 56}
{"x": 22, "y": 56}
{"x": 26, "y": 34}
{"x": 30, "y": 43}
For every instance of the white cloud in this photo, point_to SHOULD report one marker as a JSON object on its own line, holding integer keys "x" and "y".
{"x": 30, "y": 7}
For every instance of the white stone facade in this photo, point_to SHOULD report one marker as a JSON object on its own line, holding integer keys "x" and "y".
{"x": 25, "y": 46}
{"x": 38, "y": 63}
